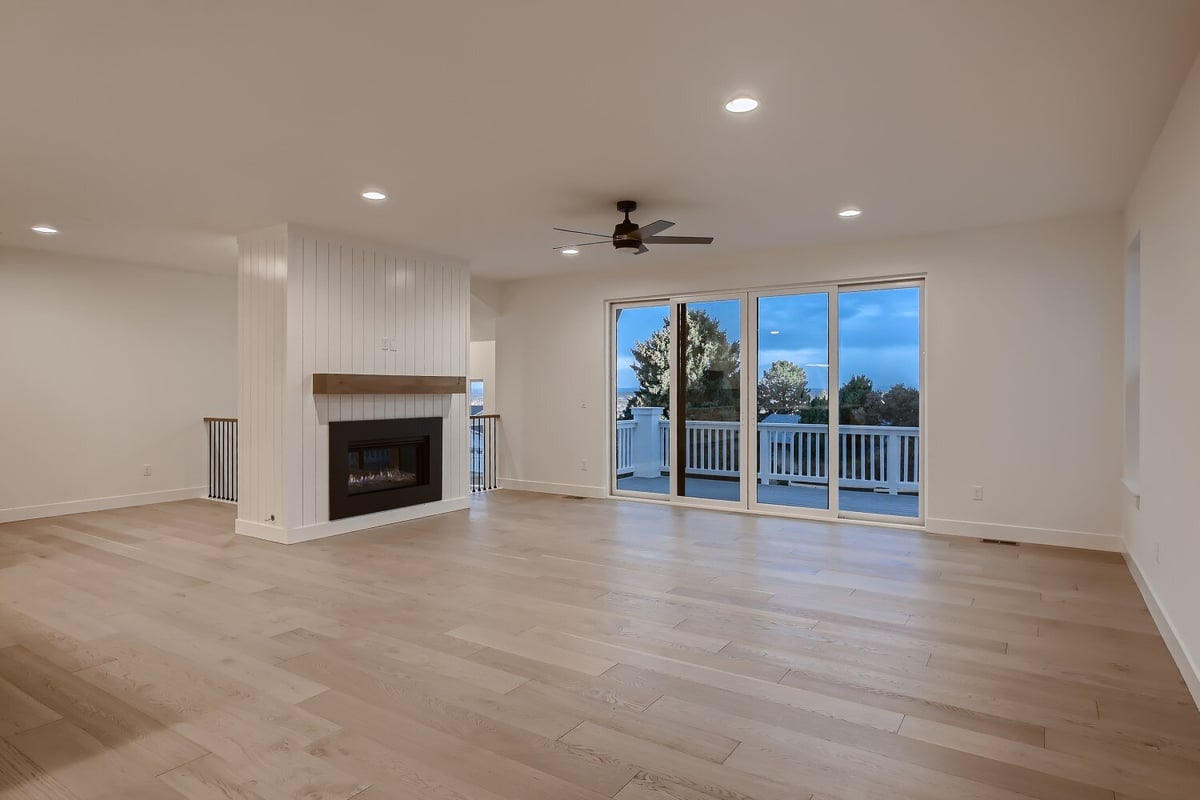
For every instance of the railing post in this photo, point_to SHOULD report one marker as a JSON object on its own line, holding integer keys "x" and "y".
{"x": 893, "y": 463}
{"x": 644, "y": 444}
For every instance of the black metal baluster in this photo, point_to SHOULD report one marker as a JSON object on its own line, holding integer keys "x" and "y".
{"x": 209, "y": 430}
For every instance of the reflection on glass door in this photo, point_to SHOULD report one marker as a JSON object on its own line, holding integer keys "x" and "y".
{"x": 708, "y": 444}
{"x": 642, "y": 385}
{"x": 793, "y": 400}
{"x": 879, "y": 366}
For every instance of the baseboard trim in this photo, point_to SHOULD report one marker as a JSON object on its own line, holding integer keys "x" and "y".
{"x": 101, "y": 504}
{"x": 337, "y": 527}
{"x": 1106, "y": 542}
{"x": 1189, "y": 667}
{"x": 260, "y": 530}
{"x": 552, "y": 488}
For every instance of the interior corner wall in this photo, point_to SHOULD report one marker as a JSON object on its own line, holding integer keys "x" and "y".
{"x": 108, "y": 367}
{"x": 1022, "y": 380}
{"x": 1162, "y": 536}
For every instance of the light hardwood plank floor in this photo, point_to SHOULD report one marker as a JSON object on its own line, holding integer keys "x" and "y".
{"x": 544, "y": 648}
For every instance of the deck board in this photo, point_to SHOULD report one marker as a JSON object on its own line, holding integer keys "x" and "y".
{"x": 806, "y": 496}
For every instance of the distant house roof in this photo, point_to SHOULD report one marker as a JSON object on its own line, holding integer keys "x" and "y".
{"x": 790, "y": 419}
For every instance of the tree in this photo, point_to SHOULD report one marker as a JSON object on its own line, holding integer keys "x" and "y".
{"x": 860, "y": 403}
{"x": 817, "y": 412}
{"x": 783, "y": 389}
{"x": 902, "y": 406}
{"x": 711, "y": 364}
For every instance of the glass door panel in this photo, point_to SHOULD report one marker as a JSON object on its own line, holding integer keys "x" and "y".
{"x": 792, "y": 394}
{"x": 879, "y": 366}
{"x": 708, "y": 446}
{"x": 642, "y": 397}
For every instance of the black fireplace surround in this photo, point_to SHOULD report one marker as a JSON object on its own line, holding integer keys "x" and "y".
{"x": 381, "y": 464}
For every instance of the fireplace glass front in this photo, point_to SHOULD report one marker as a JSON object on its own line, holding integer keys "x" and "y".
{"x": 378, "y": 468}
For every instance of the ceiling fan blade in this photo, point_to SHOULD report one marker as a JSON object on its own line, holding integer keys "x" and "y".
{"x": 678, "y": 239}
{"x": 654, "y": 228}
{"x": 584, "y": 233}
{"x": 641, "y": 249}
{"x": 583, "y": 244}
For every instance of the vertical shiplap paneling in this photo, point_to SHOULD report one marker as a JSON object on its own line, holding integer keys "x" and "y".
{"x": 262, "y": 269}
{"x": 277, "y": 271}
{"x": 309, "y": 344}
{"x": 345, "y": 361}
{"x": 321, "y": 331}
{"x": 245, "y": 337}
{"x": 382, "y": 326}
{"x": 294, "y": 404}
{"x": 410, "y": 339}
{"x": 353, "y": 296}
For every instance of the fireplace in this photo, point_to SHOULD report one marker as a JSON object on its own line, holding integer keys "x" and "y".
{"x": 381, "y": 464}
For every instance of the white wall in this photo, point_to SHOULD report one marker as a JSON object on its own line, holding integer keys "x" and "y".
{"x": 104, "y": 368}
{"x": 485, "y": 299}
{"x": 313, "y": 301}
{"x": 1163, "y": 536}
{"x": 1023, "y": 378}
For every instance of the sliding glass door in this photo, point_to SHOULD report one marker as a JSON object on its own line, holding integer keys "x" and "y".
{"x": 792, "y": 360}
{"x": 641, "y": 391}
{"x": 708, "y": 442}
{"x": 804, "y": 401}
{"x": 879, "y": 406}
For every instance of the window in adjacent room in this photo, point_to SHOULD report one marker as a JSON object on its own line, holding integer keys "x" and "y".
{"x": 477, "y": 396}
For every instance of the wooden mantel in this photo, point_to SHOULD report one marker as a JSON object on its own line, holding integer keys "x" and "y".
{"x": 345, "y": 383}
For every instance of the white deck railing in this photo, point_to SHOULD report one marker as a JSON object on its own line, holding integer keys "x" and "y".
{"x": 625, "y": 429}
{"x": 870, "y": 456}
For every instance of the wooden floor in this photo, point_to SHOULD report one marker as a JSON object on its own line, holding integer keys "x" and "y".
{"x": 543, "y": 648}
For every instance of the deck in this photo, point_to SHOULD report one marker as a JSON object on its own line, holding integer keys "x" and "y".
{"x": 855, "y": 501}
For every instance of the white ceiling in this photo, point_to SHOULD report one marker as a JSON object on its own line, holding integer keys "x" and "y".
{"x": 154, "y": 132}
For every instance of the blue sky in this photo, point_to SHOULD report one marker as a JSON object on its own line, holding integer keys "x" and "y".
{"x": 879, "y": 331}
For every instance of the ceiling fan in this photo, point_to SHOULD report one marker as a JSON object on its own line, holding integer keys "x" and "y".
{"x": 629, "y": 237}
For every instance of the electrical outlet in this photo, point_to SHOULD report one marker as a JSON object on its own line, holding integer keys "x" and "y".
{"x": 583, "y": 465}
{"x": 976, "y": 492}
{"x": 1157, "y": 552}
{"x": 146, "y": 470}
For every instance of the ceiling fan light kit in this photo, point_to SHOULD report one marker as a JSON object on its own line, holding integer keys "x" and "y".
{"x": 629, "y": 237}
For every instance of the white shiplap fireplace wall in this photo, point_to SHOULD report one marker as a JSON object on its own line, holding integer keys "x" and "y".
{"x": 313, "y": 301}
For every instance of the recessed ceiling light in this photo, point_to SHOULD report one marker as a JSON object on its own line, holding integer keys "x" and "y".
{"x": 741, "y": 104}
{"x": 45, "y": 230}
{"x": 374, "y": 195}
{"x": 569, "y": 251}
{"x": 850, "y": 212}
